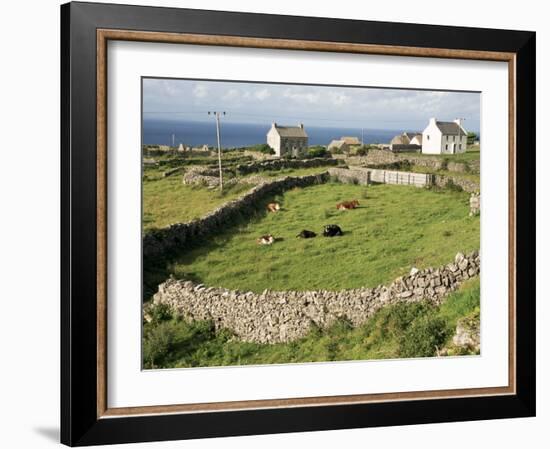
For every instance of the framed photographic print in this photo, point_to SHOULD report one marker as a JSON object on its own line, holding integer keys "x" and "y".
{"x": 278, "y": 224}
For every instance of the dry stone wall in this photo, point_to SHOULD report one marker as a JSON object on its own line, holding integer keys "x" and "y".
{"x": 380, "y": 158}
{"x": 466, "y": 184}
{"x": 280, "y": 164}
{"x": 276, "y": 317}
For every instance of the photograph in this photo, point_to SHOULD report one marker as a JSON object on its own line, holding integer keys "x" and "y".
{"x": 298, "y": 223}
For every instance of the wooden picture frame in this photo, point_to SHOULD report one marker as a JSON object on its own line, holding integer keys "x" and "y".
{"x": 86, "y": 29}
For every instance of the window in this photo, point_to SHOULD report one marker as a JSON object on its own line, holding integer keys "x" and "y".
{"x": 446, "y": 146}
{"x": 428, "y": 136}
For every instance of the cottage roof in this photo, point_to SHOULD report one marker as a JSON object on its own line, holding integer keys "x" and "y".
{"x": 450, "y": 128}
{"x": 351, "y": 140}
{"x": 336, "y": 143}
{"x": 290, "y": 131}
{"x": 401, "y": 139}
{"x": 418, "y": 138}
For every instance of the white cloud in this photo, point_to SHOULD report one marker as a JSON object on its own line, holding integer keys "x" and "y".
{"x": 200, "y": 91}
{"x": 307, "y": 97}
{"x": 262, "y": 94}
{"x": 339, "y": 98}
{"x": 231, "y": 94}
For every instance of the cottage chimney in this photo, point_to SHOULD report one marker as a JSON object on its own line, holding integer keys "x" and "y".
{"x": 458, "y": 121}
{"x": 273, "y": 124}
{"x": 432, "y": 121}
{"x": 302, "y": 125}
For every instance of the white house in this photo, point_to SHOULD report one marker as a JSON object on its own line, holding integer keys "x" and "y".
{"x": 291, "y": 140}
{"x": 444, "y": 137}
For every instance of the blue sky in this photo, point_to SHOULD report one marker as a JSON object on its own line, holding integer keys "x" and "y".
{"x": 190, "y": 100}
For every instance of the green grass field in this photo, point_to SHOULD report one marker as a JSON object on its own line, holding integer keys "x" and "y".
{"x": 395, "y": 228}
{"x": 167, "y": 200}
{"x": 398, "y": 331}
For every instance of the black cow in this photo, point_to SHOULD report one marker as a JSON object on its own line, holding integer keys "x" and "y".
{"x": 305, "y": 234}
{"x": 332, "y": 230}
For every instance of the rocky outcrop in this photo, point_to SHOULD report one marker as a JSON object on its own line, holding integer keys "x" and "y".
{"x": 475, "y": 204}
{"x": 282, "y": 316}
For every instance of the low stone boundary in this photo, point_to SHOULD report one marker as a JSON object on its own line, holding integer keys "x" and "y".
{"x": 281, "y": 164}
{"x": 160, "y": 243}
{"x": 277, "y": 317}
{"x": 376, "y": 157}
{"x": 465, "y": 184}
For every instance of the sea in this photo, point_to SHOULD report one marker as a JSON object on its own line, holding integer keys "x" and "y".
{"x": 234, "y": 135}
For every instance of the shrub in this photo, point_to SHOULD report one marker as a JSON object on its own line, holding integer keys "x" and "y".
{"x": 158, "y": 341}
{"x": 263, "y": 148}
{"x": 160, "y": 313}
{"x": 423, "y": 337}
{"x": 317, "y": 151}
{"x": 450, "y": 185}
{"x": 361, "y": 151}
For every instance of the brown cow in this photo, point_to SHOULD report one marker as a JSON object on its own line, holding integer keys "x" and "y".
{"x": 347, "y": 205}
{"x": 273, "y": 207}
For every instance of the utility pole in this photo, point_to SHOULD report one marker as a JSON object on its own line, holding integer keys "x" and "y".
{"x": 217, "y": 115}
{"x": 459, "y": 123}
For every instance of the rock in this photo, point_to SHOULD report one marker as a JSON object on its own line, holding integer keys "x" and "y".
{"x": 452, "y": 267}
{"x": 467, "y": 334}
{"x": 414, "y": 270}
{"x": 459, "y": 258}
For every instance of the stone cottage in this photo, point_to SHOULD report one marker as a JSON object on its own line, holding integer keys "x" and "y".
{"x": 444, "y": 137}
{"x": 406, "y": 142}
{"x": 287, "y": 140}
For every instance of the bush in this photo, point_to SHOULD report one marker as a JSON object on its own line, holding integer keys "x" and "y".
{"x": 158, "y": 341}
{"x": 450, "y": 185}
{"x": 472, "y": 137}
{"x": 263, "y": 148}
{"x": 317, "y": 151}
{"x": 160, "y": 313}
{"x": 424, "y": 337}
{"x": 361, "y": 151}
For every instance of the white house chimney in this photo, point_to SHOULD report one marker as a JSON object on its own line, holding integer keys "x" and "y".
{"x": 302, "y": 125}
{"x": 432, "y": 121}
{"x": 273, "y": 124}
{"x": 458, "y": 121}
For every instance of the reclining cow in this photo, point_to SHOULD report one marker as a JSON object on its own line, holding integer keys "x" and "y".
{"x": 347, "y": 205}
{"x": 265, "y": 240}
{"x": 332, "y": 230}
{"x": 305, "y": 234}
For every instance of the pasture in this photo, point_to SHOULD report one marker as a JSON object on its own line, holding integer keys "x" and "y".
{"x": 393, "y": 229}
{"x": 167, "y": 200}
